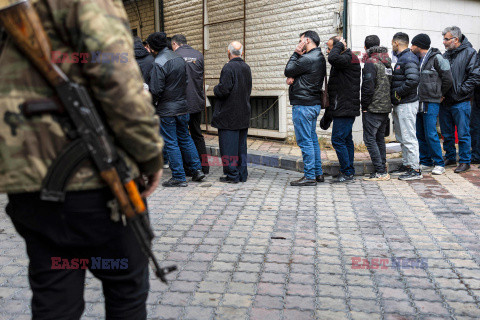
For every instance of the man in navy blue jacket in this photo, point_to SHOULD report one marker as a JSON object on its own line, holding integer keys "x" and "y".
{"x": 406, "y": 76}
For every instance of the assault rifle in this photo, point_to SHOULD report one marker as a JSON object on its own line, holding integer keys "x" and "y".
{"x": 84, "y": 127}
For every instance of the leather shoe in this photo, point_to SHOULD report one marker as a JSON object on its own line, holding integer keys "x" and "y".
{"x": 227, "y": 180}
{"x": 462, "y": 168}
{"x": 174, "y": 183}
{"x": 449, "y": 162}
{"x": 198, "y": 175}
{"x": 303, "y": 182}
{"x": 320, "y": 178}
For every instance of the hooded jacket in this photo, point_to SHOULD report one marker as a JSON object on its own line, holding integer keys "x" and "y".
{"x": 406, "y": 77}
{"x": 344, "y": 83}
{"x": 435, "y": 77}
{"x": 377, "y": 78}
{"x": 144, "y": 59}
{"x": 465, "y": 72}
{"x": 309, "y": 71}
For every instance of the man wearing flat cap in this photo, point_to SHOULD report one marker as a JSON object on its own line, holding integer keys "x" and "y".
{"x": 435, "y": 81}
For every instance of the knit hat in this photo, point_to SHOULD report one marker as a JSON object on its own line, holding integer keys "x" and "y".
{"x": 422, "y": 41}
{"x": 157, "y": 41}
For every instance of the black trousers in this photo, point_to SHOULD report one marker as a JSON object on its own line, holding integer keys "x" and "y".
{"x": 79, "y": 228}
{"x": 374, "y": 127}
{"x": 197, "y": 136}
{"x": 233, "y": 150}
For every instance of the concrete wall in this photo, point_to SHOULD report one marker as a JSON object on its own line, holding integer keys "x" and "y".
{"x": 386, "y": 17}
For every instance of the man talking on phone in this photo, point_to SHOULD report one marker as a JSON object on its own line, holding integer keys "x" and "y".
{"x": 305, "y": 71}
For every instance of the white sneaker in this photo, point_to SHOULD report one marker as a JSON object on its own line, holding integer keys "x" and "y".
{"x": 438, "y": 170}
{"x": 426, "y": 168}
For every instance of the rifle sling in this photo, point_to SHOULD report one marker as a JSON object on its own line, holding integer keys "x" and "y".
{"x": 61, "y": 170}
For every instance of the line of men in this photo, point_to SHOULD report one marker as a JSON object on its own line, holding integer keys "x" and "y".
{"x": 423, "y": 85}
{"x": 173, "y": 73}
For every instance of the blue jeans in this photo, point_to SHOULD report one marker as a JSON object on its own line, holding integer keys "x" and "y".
{"x": 305, "y": 124}
{"x": 342, "y": 141}
{"x": 475, "y": 131}
{"x": 451, "y": 116}
{"x": 428, "y": 140}
{"x": 177, "y": 143}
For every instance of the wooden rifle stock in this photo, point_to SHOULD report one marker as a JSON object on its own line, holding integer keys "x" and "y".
{"x": 21, "y": 21}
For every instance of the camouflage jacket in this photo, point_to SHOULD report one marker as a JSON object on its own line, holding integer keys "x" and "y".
{"x": 377, "y": 78}
{"x": 76, "y": 27}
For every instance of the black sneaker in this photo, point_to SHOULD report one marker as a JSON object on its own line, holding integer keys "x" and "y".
{"x": 320, "y": 178}
{"x": 401, "y": 170}
{"x": 344, "y": 179}
{"x": 304, "y": 182}
{"x": 198, "y": 176}
{"x": 411, "y": 175}
{"x": 174, "y": 183}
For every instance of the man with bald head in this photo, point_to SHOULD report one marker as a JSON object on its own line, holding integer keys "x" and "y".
{"x": 231, "y": 115}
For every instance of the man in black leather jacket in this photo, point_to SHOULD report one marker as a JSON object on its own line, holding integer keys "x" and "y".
{"x": 305, "y": 71}
{"x": 168, "y": 82}
{"x": 456, "y": 109}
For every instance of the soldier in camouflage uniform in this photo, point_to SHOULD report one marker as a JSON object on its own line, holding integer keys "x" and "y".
{"x": 79, "y": 228}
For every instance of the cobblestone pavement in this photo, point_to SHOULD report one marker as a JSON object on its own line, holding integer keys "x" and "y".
{"x": 265, "y": 250}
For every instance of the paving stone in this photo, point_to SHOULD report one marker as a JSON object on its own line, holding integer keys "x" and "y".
{"x": 299, "y": 302}
{"x": 198, "y": 313}
{"x": 269, "y": 302}
{"x": 297, "y": 314}
{"x": 237, "y": 300}
{"x": 262, "y": 314}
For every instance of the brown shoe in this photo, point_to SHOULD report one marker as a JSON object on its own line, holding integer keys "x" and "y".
{"x": 304, "y": 182}
{"x": 463, "y": 167}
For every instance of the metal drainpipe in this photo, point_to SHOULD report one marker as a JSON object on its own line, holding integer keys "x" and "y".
{"x": 157, "y": 13}
{"x": 345, "y": 19}
{"x": 162, "y": 20}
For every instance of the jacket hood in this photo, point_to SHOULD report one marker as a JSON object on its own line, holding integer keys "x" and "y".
{"x": 140, "y": 50}
{"x": 381, "y": 54}
{"x": 376, "y": 49}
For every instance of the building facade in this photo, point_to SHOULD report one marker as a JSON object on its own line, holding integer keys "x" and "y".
{"x": 269, "y": 31}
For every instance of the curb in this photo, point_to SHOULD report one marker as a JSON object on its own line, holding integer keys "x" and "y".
{"x": 331, "y": 168}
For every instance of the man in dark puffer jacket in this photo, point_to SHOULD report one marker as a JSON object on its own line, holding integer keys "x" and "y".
{"x": 435, "y": 81}
{"x": 306, "y": 70}
{"x": 405, "y": 106}
{"x": 376, "y": 104}
{"x": 344, "y": 95}
{"x": 456, "y": 109}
